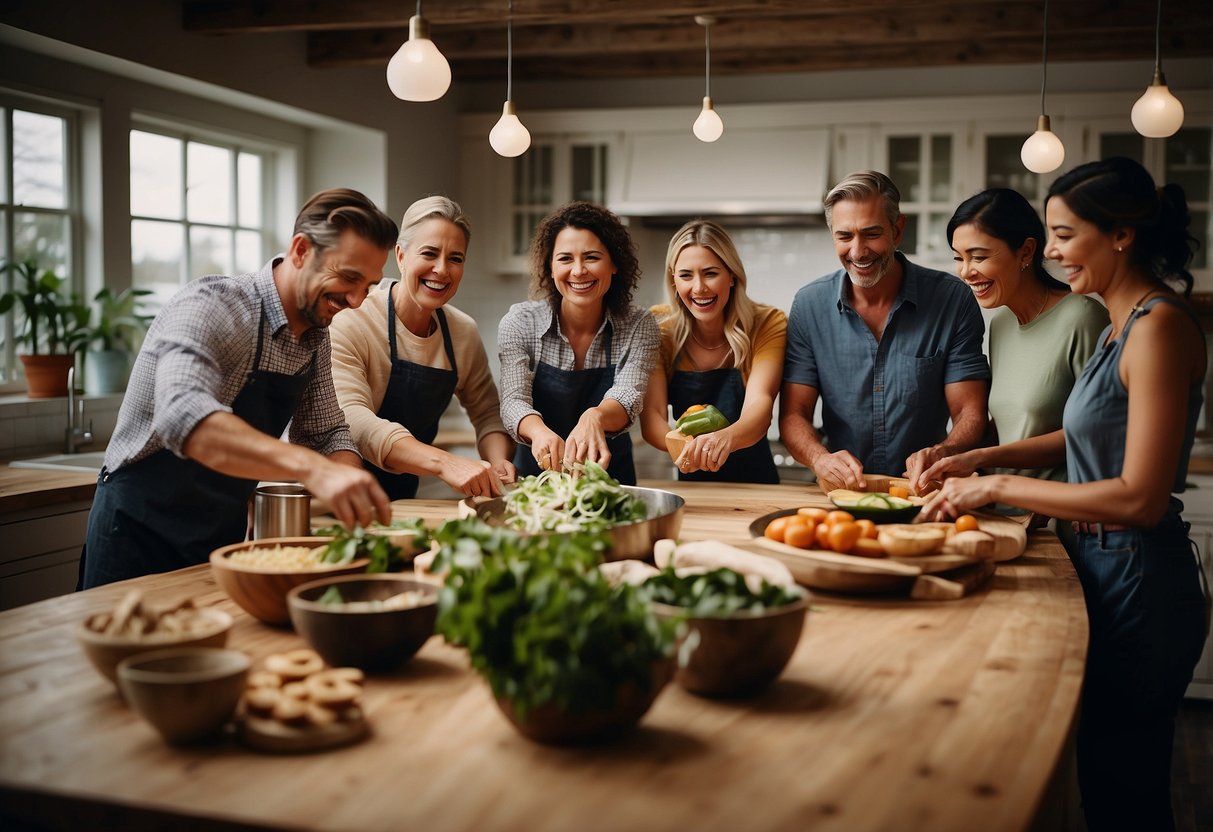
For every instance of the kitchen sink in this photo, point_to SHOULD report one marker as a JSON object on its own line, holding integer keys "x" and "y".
{"x": 89, "y": 463}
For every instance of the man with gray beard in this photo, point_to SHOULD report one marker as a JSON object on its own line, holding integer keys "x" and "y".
{"x": 893, "y": 350}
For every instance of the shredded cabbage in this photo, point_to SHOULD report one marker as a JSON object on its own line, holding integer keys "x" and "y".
{"x": 553, "y": 501}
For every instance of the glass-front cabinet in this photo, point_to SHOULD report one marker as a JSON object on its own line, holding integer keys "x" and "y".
{"x": 552, "y": 172}
{"x": 1185, "y": 159}
{"x": 922, "y": 163}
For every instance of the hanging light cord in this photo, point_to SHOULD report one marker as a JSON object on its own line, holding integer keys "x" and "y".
{"x": 707, "y": 69}
{"x": 1157, "y": 30}
{"x": 419, "y": 8}
{"x": 509, "y": 51}
{"x": 1044, "y": 59}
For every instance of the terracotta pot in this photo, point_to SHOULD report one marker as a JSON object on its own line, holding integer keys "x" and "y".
{"x": 553, "y": 725}
{"x": 46, "y": 375}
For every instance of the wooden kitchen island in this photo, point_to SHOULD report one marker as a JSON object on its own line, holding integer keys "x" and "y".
{"x": 892, "y": 715}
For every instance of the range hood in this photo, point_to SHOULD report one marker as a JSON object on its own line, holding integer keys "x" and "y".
{"x": 769, "y": 174}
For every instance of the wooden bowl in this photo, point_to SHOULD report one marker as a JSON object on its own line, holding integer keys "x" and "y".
{"x": 186, "y": 693}
{"x": 372, "y": 639}
{"x": 737, "y": 654}
{"x": 106, "y": 650}
{"x": 557, "y": 726}
{"x": 261, "y": 591}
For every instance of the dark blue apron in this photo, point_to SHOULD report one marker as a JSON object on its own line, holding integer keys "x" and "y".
{"x": 723, "y": 388}
{"x": 416, "y": 397}
{"x": 164, "y": 512}
{"x": 561, "y": 396}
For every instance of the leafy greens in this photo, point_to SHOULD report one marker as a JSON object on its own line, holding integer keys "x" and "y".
{"x": 560, "y": 502}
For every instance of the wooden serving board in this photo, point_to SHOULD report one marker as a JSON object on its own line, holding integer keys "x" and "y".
{"x": 271, "y": 735}
{"x": 872, "y": 482}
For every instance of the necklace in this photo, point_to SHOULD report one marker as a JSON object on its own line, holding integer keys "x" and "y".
{"x": 721, "y": 345}
{"x": 1134, "y": 306}
{"x": 1041, "y": 310}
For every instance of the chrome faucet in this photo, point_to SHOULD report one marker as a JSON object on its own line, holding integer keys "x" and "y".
{"x": 76, "y": 436}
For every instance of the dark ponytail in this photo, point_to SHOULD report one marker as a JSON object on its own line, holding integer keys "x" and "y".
{"x": 1005, "y": 215}
{"x": 1119, "y": 193}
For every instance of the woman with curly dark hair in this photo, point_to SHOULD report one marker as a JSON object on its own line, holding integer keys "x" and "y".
{"x": 575, "y": 360}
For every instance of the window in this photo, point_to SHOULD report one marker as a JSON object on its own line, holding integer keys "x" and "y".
{"x": 921, "y": 166}
{"x": 39, "y": 203}
{"x": 198, "y": 206}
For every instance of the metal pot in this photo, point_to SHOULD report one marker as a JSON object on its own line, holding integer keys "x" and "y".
{"x": 282, "y": 509}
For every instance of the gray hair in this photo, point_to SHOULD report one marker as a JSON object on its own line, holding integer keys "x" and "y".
{"x": 863, "y": 185}
{"x": 432, "y": 207}
{"x": 325, "y": 216}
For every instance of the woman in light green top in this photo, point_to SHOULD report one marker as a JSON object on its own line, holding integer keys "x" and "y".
{"x": 1040, "y": 337}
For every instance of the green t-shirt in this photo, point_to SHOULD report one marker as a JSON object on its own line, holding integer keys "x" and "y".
{"x": 1035, "y": 365}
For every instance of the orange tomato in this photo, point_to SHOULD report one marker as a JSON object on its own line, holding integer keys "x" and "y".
{"x": 817, "y": 515}
{"x": 798, "y": 520}
{"x": 867, "y": 529}
{"x": 966, "y": 523}
{"x": 802, "y": 537}
{"x": 899, "y": 491}
{"x": 822, "y": 535}
{"x": 695, "y": 408}
{"x": 840, "y": 517}
{"x": 776, "y": 528}
{"x": 843, "y": 536}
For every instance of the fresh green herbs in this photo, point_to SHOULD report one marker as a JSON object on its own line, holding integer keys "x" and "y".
{"x": 715, "y": 593}
{"x": 555, "y": 501}
{"x": 350, "y": 544}
{"x": 539, "y": 621}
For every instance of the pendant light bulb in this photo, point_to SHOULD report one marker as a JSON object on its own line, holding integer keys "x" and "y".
{"x": 1043, "y": 152}
{"x": 509, "y": 136}
{"x": 708, "y": 127}
{"x": 418, "y": 71}
{"x": 1158, "y": 113}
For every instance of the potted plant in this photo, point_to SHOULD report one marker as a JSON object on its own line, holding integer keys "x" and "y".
{"x": 113, "y": 339}
{"x": 570, "y": 658}
{"x": 50, "y": 328}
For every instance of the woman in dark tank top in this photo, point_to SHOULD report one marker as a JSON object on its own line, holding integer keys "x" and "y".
{"x": 1118, "y": 236}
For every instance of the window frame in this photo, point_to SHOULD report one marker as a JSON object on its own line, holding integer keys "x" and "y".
{"x": 12, "y": 378}
{"x": 271, "y": 158}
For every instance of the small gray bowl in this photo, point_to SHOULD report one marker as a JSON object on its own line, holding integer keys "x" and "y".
{"x": 371, "y": 639}
{"x": 186, "y": 693}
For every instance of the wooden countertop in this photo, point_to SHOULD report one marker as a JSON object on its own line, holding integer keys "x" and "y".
{"x": 26, "y": 488}
{"x": 893, "y": 714}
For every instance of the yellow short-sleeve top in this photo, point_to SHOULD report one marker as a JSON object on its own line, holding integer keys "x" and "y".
{"x": 770, "y": 338}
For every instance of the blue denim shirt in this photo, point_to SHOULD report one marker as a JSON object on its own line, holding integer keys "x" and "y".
{"x": 882, "y": 401}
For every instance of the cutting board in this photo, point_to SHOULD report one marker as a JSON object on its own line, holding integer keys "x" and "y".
{"x": 872, "y": 482}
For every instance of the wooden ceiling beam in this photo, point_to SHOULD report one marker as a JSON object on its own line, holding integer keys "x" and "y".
{"x": 1018, "y": 34}
{"x": 245, "y": 16}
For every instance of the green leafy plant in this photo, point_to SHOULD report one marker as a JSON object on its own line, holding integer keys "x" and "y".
{"x": 52, "y": 322}
{"x": 717, "y": 593}
{"x": 350, "y": 544}
{"x": 120, "y": 320}
{"x": 538, "y": 619}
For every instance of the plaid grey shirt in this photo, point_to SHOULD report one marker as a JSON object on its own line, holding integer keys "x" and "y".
{"x": 530, "y": 333}
{"x": 197, "y": 356}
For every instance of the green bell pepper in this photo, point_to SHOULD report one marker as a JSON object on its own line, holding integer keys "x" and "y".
{"x": 702, "y": 421}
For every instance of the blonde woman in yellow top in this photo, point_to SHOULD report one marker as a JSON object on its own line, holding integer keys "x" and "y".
{"x": 718, "y": 347}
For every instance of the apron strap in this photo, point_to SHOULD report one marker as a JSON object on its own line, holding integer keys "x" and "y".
{"x": 260, "y": 336}
{"x": 446, "y": 339}
{"x": 391, "y": 320}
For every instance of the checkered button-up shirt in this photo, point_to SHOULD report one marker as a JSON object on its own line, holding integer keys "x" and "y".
{"x": 196, "y": 359}
{"x": 530, "y": 334}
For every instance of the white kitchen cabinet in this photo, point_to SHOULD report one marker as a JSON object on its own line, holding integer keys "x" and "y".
{"x": 556, "y": 169}
{"x": 41, "y": 553}
{"x": 1198, "y": 510}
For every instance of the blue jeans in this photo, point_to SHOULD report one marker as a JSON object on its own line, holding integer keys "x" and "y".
{"x": 1148, "y": 619}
